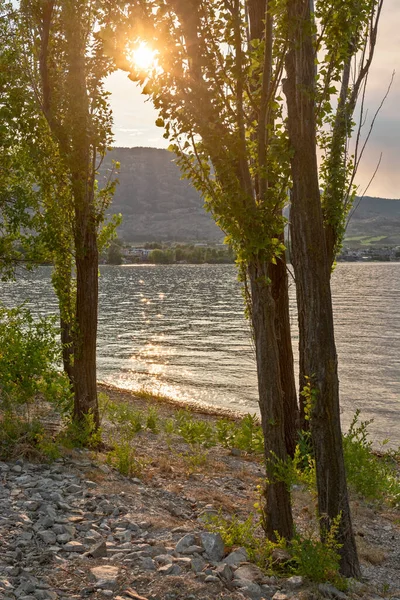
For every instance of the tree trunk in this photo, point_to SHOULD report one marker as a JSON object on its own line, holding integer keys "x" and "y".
{"x": 81, "y": 163}
{"x": 280, "y": 294}
{"x": 258, "y": 30}
{"x": 311, "y": 267}
{"x": 85, "y": 379}
{"x": 278, "y": 515}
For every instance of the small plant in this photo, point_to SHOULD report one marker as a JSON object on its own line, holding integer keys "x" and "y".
{"x": 123, "y": 458}
{"x": 375, "y": 478}
{"x": 123, "y": 414}
{"x": 152, "y": 420}
{"x": 194, "y": 431}
{"x": 195, "y": 459}
{"x": 245, "y": 435}
{"x": 48, "y": 447}
{"x": 18, "y": 436}
{"x": 315, "y": 559}
{"x": 81, "y": 434}
{"x": 236, "y": 533}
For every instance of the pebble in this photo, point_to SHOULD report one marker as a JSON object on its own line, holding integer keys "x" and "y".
{"x": 63, "y": 537}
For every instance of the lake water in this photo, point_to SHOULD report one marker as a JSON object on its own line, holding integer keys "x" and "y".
{"x": 179, "y": 330}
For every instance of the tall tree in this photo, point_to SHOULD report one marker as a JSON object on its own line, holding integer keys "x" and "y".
{"x": 66, "y": 65}
{"x": 312, "y": 271}
{"x": 215, "y": 87}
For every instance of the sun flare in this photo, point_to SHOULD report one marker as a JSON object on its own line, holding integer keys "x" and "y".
{"x": 144, "y": 57}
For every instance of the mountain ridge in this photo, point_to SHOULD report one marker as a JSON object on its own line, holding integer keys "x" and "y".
{"x": 158, "y": 205}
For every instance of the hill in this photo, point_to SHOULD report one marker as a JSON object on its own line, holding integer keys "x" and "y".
{"x": 157, "y": 205}
{"x": 375, "y": 221}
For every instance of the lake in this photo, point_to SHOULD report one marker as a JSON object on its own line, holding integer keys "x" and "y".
{"x": 179, "y": 330}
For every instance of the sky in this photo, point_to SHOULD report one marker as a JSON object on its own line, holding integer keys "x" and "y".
{"x": 134, "y": 116}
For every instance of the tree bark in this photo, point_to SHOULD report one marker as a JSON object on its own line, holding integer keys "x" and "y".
{"x": 81, "y": 165}
{"x": 278, "y": 517}
{"x": 280, "y": 294}
{"x": 311, "y": 267}
{"x": 261, "y": 27}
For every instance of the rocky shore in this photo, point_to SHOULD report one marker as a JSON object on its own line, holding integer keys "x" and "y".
{"x": 76, "y": 528}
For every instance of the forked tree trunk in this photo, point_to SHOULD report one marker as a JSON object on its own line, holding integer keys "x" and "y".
{"x": 278, "y": 517}
{"x": 311, "y": 266}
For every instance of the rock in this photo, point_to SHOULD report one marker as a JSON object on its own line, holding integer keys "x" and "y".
{"x": 211, "y": 579}
{"x": 74, "y": 546}
{"x": 330, "y": 591}
{"x": 185, "y": 542}
{"x": 249, "y": 572}
{"x": 197, "y": 564}
{"x": 224, "y": 571}
{"x": 170, "y": 570}
{"x": 31, "y": 505}
{"x": 105, "y": 576}
{"x": 73, "y": 489}
{"x": 163, "y": 559}
{"x": 166, "y": 569}
{"x": 147, "y": 564}
{"x": 236, "y": 557}
{"x": 183, "y": 561}
{"x": 64, "y": 538}
{"x": 249, "y": 589}
{"x": 97, "y": 551}
{"x": 213, "y": 544}
{"x": 193, "y": 550}
{"x": 280, "y": 556}
{"x": 48, "y": 537}
{"x": 280, "y": 596}
{"x": 294, "y": 582}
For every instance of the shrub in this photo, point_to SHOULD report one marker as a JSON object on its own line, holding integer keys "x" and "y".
{"x": 374, "y": 477}
{"x": 123, "y": 458}
{"x": 81, "y": 434}
{"x": 29, "y": 355}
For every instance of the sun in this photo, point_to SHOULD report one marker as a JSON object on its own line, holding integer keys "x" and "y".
{"x": 144, "y": 57}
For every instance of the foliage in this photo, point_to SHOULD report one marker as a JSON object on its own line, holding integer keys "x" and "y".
{"x": 29, "y": 357}
{"x": 194, "y": 431}
{"x": 315, "y": 559}
{"x": 81, "y": 434}
{"x": 191, "y": 254}
{"x": 373, "y": 477}
{"x": 24, "y": 438}
{"x": 307, "y": 555}
{"x": 123, "y": 458}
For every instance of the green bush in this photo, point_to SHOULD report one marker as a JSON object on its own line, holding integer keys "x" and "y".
{"x": 29, "y": 355}
{"x": 194, "y": 431}
{"x": 81, "y": 434}
{"x": 317, "y": 560}
{"x": 373, "y": 477}
{"x": 123, "y": 458}
{"x": 22, "y": 438}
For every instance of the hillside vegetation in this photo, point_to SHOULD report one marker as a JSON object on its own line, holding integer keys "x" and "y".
{"x": 157, "y": 205}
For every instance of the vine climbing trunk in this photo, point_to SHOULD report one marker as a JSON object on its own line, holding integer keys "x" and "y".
{"x": 312, "y": 272}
